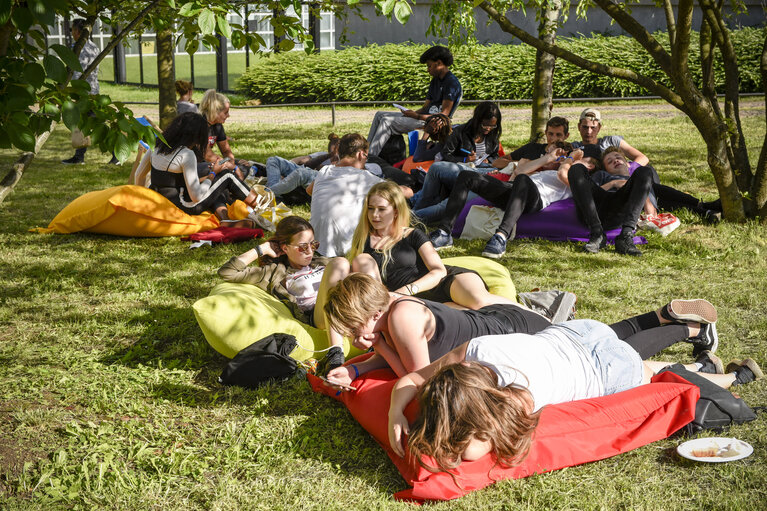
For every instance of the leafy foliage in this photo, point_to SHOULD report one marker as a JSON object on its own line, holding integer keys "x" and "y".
{"x": 391, "y": 72}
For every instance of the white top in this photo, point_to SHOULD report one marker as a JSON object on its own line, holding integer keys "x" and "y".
{"x": 304, "y": 284}
{"x": 551, "y": 364}
{"x": 550, "y": 188}
{"x": 184, "y": 162}
{"x": 337, "y": 199}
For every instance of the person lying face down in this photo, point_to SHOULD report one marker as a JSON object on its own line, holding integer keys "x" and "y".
{"x": 486, "y": 395}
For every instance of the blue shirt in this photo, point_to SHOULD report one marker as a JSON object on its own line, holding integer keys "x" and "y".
{"x": 447, "y": 88}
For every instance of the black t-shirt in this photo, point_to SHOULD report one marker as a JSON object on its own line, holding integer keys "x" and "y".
{"x": 531, "y": 151}
{"x": 216, "y": 133}
{"x": 447, "y": 88}
{"x": 405, "y": 264}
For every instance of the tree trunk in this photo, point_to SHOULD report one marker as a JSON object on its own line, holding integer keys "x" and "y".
{"x": 166, "y": 75}
{"x": 5, "y": 37}
{"x": 543, "y": 92}
{"x": 759, "y": 185}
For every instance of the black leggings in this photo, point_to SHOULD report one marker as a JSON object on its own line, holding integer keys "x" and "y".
{"x": 515, "y": 199}
{"x": 601, "y": 210}
{"x": 226, "y": 188}
{"x": 645, "y": 334}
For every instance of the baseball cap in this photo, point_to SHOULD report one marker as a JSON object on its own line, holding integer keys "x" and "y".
{"x": 592, "y": 113}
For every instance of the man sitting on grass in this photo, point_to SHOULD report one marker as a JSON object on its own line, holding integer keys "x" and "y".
{"x": 442, "y": 98}
{"x": 338, "y": 193}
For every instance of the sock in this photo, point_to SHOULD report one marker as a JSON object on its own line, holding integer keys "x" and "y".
{"x": 698, "y": 366}
{"x": 501, "y": 235}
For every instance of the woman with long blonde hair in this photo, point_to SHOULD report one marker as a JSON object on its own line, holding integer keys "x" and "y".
{"x": 214, "y": 106}
{"x": 402, "y": 257}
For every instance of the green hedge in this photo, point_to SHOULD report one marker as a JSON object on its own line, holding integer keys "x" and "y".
{"x": 392, "y": 72}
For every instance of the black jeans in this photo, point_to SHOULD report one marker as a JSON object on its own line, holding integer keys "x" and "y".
{"x": 603, "y": 210}
{"x": 515, "y": 199}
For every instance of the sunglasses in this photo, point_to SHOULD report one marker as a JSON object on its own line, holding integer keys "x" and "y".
{"x": 489, "y": 126}
{"x": 306, "y": 247}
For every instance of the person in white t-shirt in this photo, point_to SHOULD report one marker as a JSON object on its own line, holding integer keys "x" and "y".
{"x": 486, "y": 395}
{"x": 338, "y": 193}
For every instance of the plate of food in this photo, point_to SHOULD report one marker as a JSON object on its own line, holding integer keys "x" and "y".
{"x": 715, "y": 449}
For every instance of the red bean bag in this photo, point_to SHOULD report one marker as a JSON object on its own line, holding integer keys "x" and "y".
{"x": 568, "y": 434}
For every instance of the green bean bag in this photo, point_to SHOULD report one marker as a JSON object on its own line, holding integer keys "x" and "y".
{"x": 235, "y": 316}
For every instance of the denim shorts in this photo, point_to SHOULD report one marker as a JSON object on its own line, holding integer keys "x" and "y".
{"x": 618, "y": 363}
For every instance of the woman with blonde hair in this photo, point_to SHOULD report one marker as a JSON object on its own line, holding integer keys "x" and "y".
{"x": 402, "y": 257}
{"x": 486, "y": 395}
{"x": 215, "y": 108}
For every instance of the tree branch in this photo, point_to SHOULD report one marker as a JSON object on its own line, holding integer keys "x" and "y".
{"x": 616, "y": 72}
{"x": 668, "y": 9}
{"x": 638, "y": 32}
{"x": 119, "y": 37}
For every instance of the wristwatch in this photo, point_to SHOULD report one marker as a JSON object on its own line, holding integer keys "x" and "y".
{"x": 414, "y": 289}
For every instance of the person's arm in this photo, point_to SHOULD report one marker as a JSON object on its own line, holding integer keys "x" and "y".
{"x": 226, "y": 150}
{"x": 451, "y": 151}
{"x": 406, "y": 191}
{"x": 310, "y": 188}
{"x": 406, "y": 389}
{"x": 346, "y": 374}
{"x": 238, "y": 269}
{"x": 421, "y": 114}
{"x": 436, "y": 268}
{"x": 316, "y": 162}
{"x": 407, "y": 331}
{"x": 634, "y": 154}
{"x": 138, "y": 176}
{"x": 526, "y": 166}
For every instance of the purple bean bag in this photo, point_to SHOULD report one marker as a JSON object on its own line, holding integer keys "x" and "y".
{"x": 557, "y": 222}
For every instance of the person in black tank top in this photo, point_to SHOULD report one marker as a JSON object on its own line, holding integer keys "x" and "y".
{"x": 408, "y": 334}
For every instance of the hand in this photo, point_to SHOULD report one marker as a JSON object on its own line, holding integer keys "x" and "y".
{"x": 501, "y": 162}
{"x": 342, "y": 374}
{"x": 577, "y": 154}
{"x": 471, "y": 156}
{"x": 367, "y": 341}
{"x": 272, "y": 249}
{"x": 410, "y": 113}
{"x": 398, "y": 426}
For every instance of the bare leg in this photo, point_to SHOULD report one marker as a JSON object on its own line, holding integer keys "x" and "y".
{"x": 364, "y": 263}
{"x": 723, "y": 380}
{"x": 469, "y": 290}
{"x": 336, "y": 270}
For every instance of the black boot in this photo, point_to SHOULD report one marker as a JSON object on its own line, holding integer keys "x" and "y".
{"x": 79, "y": 156}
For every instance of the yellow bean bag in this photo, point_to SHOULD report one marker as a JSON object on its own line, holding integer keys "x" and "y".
{"x": 127, "y": 210}
{"x": 234, "y": 316}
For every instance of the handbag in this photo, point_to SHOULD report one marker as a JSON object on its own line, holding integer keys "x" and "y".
{"x": 263, "y": 361}
{"x": 79, "y": 140}
{"x": 481, "y": 222}
{"x": 556, "y": 305}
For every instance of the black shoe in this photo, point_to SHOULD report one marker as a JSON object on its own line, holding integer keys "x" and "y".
{"x": 113, "y": 161}
{"x": 745, "y": 371}
{"x": 714, "y": 205}
{"x": 710, "y": 363}
{"x": 73, "y": 160}
{"x": 596, "y": 243}
{"x": 624, "y": 244}
{"x": 711, "y": 216}
{"x": 706, "y": 340}
{"x": 333, "y": 358}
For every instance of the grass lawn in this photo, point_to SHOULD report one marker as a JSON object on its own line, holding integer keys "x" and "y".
{"x": 108, "y": 392}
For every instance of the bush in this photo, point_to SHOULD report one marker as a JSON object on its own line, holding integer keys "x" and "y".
{"x": 391, "y": 72}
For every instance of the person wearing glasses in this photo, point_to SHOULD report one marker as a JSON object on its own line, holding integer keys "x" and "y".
{"x": 471, "y": 146}
{"x": 290, "y": 269}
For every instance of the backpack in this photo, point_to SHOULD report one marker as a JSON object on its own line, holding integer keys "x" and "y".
{"x": 394, "y": 150}
{"x": 717, "y": 408}
{"x": 556, "y": 305}
{"x": 265, "y": 360}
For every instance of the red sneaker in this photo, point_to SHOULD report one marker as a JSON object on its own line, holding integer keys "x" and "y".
{"x": 663, "y": 223}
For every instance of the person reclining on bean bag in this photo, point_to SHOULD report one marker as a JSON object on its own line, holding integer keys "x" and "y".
{"x": 536, "y": 184}
{"x": 486, "y": 395}
{"x": 290, "y": 269}
{"x": 402, "y": 257}
{"x": 408, "y": 333}
{"x": 173, "y": 170}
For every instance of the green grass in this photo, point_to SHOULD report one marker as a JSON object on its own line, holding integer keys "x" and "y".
{"x": 108, "y": 393}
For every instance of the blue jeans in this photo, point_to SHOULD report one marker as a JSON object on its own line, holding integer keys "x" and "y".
{"x": 428, "y": 204}
{"x": 618, "y": 363}
{"x": 284, "y": 176}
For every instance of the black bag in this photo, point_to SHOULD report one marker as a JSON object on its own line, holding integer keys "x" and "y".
{"x": 263, "y": 361}
{"x": 394, "y": 150}
{"x": 717, "y": 408}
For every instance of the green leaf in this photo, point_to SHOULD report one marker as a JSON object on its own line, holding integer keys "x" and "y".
{"x": 55, "y": 68}
{"x": 286, "y": 45}
{"x": 5, "y": 11}
{"x": 70, "y": 114}
{"x": 223, "y": 27}
{"x": 5, "y": 141}
{"x": 388, "y": 6}
{"x": 51, "y": 109}
{"x": 34, "y": 73}
{"x": 352, "y": 3}
{"x": 20, "y": 118}
{"x": 45, "y": 16}
{"x": 18, "y": 98}
{"x": 192, "y": 45}
{"x": 22, "y": 19}
{"x": 207, "y": 21}
{"x": 188, "y": 9}
{"x": 68, "y": 56}
{"x": 21, "y": 136}
{"x": 402, "y": 11}
{"x": 238, "y": 39}
{"x": 122, "y": 148}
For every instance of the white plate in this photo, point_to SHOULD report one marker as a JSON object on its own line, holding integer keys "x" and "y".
{"x": 741, "y": 448}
